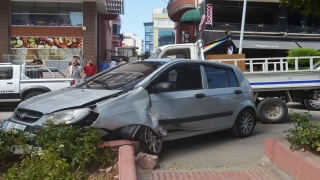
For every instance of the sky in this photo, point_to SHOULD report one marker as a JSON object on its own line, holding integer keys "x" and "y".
{"x": 137, "y": 12}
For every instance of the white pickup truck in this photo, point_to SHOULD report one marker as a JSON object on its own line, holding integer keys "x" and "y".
{"x": 274, "y": 83}
{"x": 20, "y": 82}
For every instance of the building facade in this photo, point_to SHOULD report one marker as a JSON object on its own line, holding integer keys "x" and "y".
{"x": 163, "y": 28}
{"x": 58, "y": 29}
{"x": 148, "y": 36}
{"x": 130, "y": 39}
{"x": 270, "y": 30}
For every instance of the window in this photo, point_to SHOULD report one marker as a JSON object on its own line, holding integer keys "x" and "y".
{"x": 219, "y": 77}
{"x": 161, "y": 21}
{"x": 166, "y": 37}
{"x": 46, "y": 14}
{"x": 170, "y": 22}
{"x": 182, "y": 76}
{"x": 164, "y": 11}
{"x": 6, "y": 73}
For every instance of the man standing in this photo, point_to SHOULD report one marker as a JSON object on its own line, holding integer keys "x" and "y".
{"x": 75, "y": 71}
{"x": 37, "y": 61}
{"x": 89, "y": 69}
{"x": 104, "y": 65}
{"x": 121, "y": 61}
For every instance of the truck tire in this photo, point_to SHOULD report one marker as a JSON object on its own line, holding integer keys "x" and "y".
{"x": 272, "y": 111}
{"x": 313, "y": 104}
{"x": 31, "y": 94}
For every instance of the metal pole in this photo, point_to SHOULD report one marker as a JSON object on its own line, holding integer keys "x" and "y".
{"x": 242, "y": 25}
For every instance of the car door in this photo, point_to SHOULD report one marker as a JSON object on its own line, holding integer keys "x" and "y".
{"x": 8, "y": 84}
{"x": 186, "y": 106}
{"x": 224, "y": 94}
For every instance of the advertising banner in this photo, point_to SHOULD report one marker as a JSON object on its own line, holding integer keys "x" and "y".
{"x": 207, "y": 16}
{"x": 49, "y": 48}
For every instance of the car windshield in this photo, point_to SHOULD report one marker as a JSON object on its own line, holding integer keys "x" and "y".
{"x": 155, "y": 54}
{"x": 123, "y": 77}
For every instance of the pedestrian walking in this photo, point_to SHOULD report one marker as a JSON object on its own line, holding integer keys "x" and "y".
{"x": 89, "y": 69}
{"x": 75, "y": 71}
{"x": 104, "y": 65}
{"x": 74, "y": 58}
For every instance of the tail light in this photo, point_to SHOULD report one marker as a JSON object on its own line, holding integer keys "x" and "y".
{"x": 72, "y": 83}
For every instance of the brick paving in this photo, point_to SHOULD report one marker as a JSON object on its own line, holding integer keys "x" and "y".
{"x": 214, "y": 175}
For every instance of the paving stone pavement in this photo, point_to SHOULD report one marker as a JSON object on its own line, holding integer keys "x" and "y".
{"x": 257, "y": 174}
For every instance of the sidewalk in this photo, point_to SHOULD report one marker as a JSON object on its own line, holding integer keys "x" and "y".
{"x": 260, "y": 174}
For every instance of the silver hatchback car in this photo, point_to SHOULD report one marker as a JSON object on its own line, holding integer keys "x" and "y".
{"x": 151, "y": 101}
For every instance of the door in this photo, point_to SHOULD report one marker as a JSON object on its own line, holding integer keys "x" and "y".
{"x": 8, "y": 84}
{"x": 224, "y": 94}
{"x": 187, "y": 104}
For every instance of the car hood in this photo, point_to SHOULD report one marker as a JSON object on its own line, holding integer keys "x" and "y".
{"x": 65, "y": 98}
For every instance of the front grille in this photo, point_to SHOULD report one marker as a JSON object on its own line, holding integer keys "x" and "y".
{"x": 27, "y": 115}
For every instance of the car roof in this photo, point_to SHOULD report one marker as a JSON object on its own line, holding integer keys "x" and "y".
{"x": 209, "y": 62}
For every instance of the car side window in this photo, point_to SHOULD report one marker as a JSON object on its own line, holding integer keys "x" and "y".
{"x": 6, "y": 73}
{"x": 220, "y": 78}
{"x": 182, "y": 77}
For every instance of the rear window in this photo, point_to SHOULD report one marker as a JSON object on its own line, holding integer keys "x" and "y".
{"x": 220, "y": 78}
{"x": 6, "y": 73}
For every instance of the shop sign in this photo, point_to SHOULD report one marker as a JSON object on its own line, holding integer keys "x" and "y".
{"x": 46, "y": 42}
{"x": 207, "y": 16}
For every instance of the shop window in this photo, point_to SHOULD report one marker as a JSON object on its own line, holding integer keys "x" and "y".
{"x": 46, "y": 14}
{"x": 166, "y": 37}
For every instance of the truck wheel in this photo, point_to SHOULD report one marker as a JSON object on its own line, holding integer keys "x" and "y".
{"x": 272, "y": 111}
{"x": 313, "y": 104}
{"x": 30, "y": 95}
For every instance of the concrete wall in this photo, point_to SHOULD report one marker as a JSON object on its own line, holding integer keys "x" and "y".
{"x": 4, "y": 28}
{"x": 90, "y": 35}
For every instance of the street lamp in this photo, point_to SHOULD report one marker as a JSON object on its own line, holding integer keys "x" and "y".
{"x": 134, "y": 51}
{"x": 242, "y": 25}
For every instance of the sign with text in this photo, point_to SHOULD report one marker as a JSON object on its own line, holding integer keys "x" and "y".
{"x": 207, "y": 16}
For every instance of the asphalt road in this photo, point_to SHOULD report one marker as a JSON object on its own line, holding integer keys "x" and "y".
{"x": 215, "y": 151}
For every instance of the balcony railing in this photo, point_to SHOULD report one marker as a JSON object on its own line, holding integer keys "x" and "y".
{"x": 266, "y": 28}
{"x": 47, "y": 19}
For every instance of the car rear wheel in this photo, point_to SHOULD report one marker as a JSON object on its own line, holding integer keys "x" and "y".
{"x": 152, "y": 142}
{"x": 30, "y": 95}
{"x": 313, "y": 104}
{"x": 244, "y": 124}
{"x": 272, "y": 110}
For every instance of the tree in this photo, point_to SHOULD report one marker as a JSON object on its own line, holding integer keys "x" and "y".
{"x": 308, "y": 6}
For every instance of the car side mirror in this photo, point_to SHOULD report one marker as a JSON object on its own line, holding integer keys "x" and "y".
{"x": 162, "y": 87}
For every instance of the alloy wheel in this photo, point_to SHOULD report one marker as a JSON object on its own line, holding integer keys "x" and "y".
{"x": 153, "y": 141}
{"x": 246, "y": 123}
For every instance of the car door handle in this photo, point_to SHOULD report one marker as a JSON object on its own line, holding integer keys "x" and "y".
{"x": 237, "y": 92}
{"x": 200, "y": 95}
{"x": 9, "y": 83}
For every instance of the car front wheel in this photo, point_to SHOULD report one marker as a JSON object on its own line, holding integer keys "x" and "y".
{"x": 152, "y": 142}
{"x": 244, "y": 123}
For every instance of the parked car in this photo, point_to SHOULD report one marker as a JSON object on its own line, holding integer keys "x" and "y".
{"x": 151, "y": 101}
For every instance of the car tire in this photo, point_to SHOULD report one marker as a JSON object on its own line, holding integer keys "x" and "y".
{"x": 272, "y": 111}
{"x": 30, "y": 95}
{"x": 244, "y": 124}
{"x": 313, "y": 105}
{"x": 152, "y": 142}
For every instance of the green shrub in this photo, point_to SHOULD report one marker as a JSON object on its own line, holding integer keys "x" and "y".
{"x": 66, "y": 149}
{"x": 300, "y": 52}
{"x": 78, "y": 145}
{"x": 47, "y": 166}
{"x": 305, "y": 134}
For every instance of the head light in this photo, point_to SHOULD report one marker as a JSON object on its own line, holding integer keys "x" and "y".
{"x": 68, "y": 116}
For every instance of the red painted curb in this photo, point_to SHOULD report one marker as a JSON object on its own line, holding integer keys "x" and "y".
{"x": 122, "y": 142}
{"x": 127, "y": 167}
{"x": 301, "y": 165}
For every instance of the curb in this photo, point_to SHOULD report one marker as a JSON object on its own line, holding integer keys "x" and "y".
{"x": 300, "y": 165}
{"x": 126, "y": 160}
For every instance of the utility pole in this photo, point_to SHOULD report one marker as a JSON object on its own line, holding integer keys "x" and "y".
{"x": 242, "y": 25}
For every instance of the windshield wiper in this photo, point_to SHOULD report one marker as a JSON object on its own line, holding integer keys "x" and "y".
{"x": 103, "y": 84}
